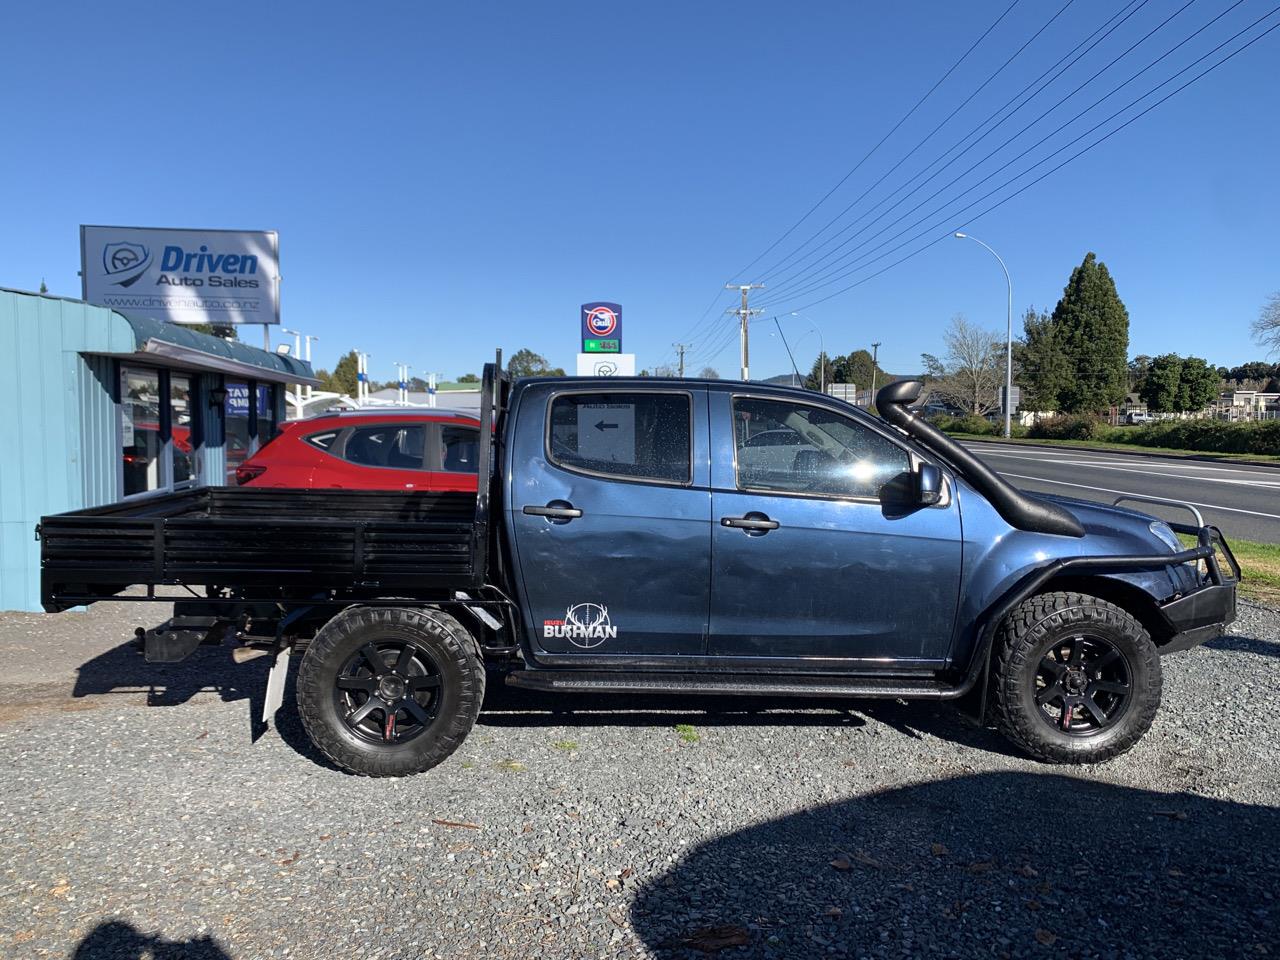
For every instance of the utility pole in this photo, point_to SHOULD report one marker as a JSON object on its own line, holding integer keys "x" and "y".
{"x": 680, "y": 349}
{"x": 875, "y": 352}
{"x": 744, "y": 316}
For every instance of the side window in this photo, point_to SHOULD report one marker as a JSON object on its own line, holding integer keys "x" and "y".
{"x": 459, "y": 447}
{"x": 399, "y": 447}
{"x": 796, "y": 448}
{"x": 323, "y": 440}
{"x": 639, "y": 436}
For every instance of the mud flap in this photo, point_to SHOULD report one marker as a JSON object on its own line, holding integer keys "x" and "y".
{"x": 280, "y": 669}
{"x": 275, "y": 683}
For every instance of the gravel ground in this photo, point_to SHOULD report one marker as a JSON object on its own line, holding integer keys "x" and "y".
{"x": 138, "y": 820}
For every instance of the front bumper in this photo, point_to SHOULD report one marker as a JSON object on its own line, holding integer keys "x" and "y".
{"x": 1203, "y": 613}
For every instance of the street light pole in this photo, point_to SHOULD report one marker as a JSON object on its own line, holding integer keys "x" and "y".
{"x": 309, "y": 339}
{"x": 822, "y": 352}
{"x": 1008, "y": 343}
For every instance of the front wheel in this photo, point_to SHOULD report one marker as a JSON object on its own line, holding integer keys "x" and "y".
{"x": 1076, "y": 679}
{"x": 388, "y": 692}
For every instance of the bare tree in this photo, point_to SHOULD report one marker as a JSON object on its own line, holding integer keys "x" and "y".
{"x": 1266, "y": 329}
{"x": 709, "y": 373}
{"x": 969, "y": 375}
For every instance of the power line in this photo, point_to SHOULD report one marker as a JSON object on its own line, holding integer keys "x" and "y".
{"x": 811, "y": 282}
{"x": 698, "y": 324}
{"x": 867, "y": 156}
{"x": 847, "y": 267}
{"x": 1089, "y": 43}
{"x": 906, "y": 156}
{"x": 1065, "y": 162}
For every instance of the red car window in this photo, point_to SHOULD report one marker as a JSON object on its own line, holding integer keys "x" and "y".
{"x": 459, "y": 447}
{"x": 397, "y": 446}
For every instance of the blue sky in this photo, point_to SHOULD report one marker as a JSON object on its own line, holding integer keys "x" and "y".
{"x": 447, "y": 179}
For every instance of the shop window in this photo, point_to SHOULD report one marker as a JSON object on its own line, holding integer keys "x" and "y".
{"x": 236, "y": 427}
{"x": 182, "y": 429}
{"x": 141, "y": 444}
{"x": 267, "y": 426}
{"x": 249, "y": 426}
{"x": 158, "y": 430}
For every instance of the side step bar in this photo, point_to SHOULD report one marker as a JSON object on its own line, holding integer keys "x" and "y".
{"x": 583, "y": 681}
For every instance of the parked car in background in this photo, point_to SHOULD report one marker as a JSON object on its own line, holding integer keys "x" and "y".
{"x": 387, "y": 449}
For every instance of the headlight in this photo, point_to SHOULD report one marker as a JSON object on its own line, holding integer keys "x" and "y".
{"x": 1164, "y": 533}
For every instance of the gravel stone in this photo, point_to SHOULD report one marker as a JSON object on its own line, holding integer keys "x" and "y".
{"x": 138, "y": 817}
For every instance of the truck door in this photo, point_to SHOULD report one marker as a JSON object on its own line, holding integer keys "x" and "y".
{"x": 812, "y": 557}
{"x": 609, "y": 504}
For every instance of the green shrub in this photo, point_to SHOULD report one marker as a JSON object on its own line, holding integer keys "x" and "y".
{"x": 970, "y": 423}
{"x": 1210, "y": 436}
{"x": 1069, "y": 426}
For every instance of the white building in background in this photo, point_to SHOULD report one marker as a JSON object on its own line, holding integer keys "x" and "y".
{"x": 452, "y": 396}
{"x": 1239, "y": 405}
{"x": 463, "y": 398}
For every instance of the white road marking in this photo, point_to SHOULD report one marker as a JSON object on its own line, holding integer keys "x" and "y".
{"x": 1097, "y": 465}
{"x": 1059, "y": 455}
{"x": 1131, "y": 493}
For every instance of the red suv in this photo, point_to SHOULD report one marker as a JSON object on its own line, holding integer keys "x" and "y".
{"x": 370, "y": 450}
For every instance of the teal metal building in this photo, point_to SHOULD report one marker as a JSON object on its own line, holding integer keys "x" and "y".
{"x": 98, "y": 407}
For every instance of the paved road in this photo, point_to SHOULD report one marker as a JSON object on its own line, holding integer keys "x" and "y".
{"x": 1244, "y": 501}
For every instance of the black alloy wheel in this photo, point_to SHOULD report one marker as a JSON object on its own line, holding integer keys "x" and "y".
{"x": 1074, "y": 678}
{"x": 1082, "y": 685}
{"x": 389, "y": 691}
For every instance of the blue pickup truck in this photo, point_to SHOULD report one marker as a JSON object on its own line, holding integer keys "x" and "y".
{"x": 641, "y": 536}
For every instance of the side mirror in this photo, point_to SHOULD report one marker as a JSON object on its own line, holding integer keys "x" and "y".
{"x": 928, "y": 485}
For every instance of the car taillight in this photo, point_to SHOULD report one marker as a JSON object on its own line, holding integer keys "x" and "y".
{"x": 248, "y": 471}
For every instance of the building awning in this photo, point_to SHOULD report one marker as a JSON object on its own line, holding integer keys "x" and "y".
{"x": 190, "y": 348}
{"x": 88, "y": 329}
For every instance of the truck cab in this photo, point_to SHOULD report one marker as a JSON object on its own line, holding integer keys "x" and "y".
{"x": 719, "y": 524}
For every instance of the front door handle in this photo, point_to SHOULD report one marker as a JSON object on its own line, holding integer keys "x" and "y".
{"x": 555, "y": 510}
{"x": 752, "y": 523}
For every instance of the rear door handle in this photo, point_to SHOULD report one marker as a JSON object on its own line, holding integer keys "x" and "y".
{"x": 555, "y": 510}
{"x": 758, "y": 522}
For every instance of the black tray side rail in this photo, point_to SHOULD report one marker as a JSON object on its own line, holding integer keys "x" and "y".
{"x": 268, "y": 544}
{"x": 494, "y": 390}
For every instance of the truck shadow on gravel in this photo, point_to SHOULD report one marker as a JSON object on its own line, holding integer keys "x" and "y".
{"x": 116, "y": 940}
{"x": 1264, "y": 648}
{"x": 918, "y": 720}
{"x": 999, "y": 864}
{"x": 123, "y": 670}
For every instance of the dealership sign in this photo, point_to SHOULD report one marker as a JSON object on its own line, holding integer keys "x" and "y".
{"x": 601, "y": 328}
{"x": 222, "y": 277}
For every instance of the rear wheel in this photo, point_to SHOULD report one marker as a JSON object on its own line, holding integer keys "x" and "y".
{"x": 1076, "y": 679}
{"x": 386, "y": 692}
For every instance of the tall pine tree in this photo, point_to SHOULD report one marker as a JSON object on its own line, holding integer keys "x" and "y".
{"x": 1040, "y": 365}
{"x": 1092, "y": 327}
